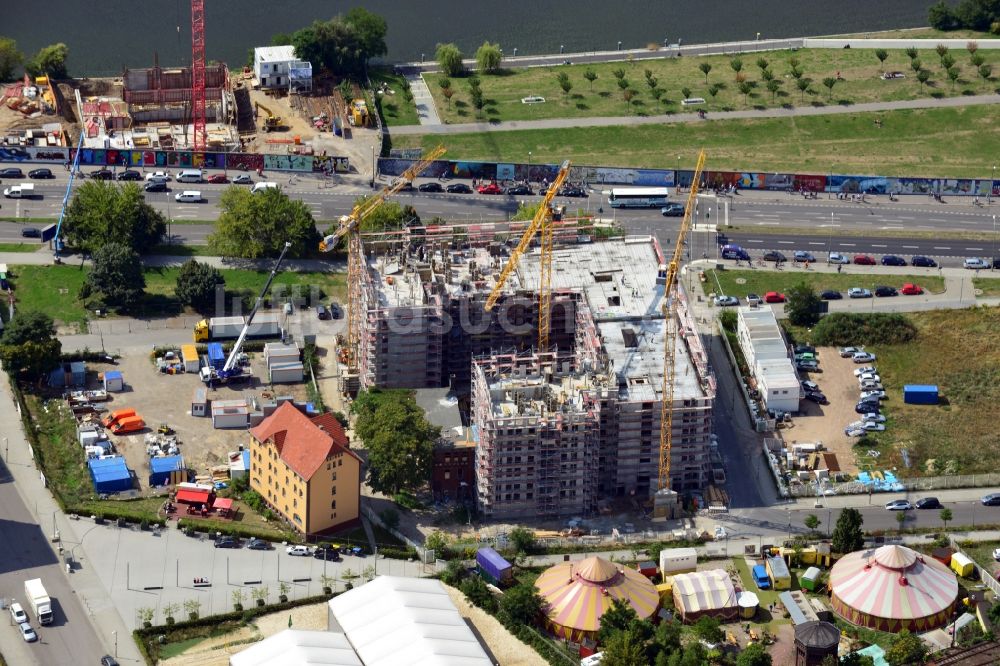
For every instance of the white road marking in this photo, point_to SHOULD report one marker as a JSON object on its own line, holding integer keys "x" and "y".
{"x": 941, "y": 248}
{"x": 874, "y": 245}
{"x": 909, "y": 247}
{"x": 974, "y": 248}
{"x": 768, "y": 223}
{"x": 784, "y": 242}
{"x": 816, "y": 243}
{"x": 847, "y": 244}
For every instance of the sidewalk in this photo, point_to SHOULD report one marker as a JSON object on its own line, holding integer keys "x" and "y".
{"x": 45, "y": 258}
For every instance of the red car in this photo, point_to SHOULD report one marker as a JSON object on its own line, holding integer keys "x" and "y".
{"x": 864, "y": 260}
{"x": 774, "y": 297}
{"x": 218, "y": 178}
{"x": 911, "y": 289}
{"x": 492, "y": 188}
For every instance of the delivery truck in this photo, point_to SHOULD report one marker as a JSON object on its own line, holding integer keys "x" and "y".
{"x": 22, "y": 191}
{"x": 265, "y": 325}
{"x": 39, "y": 600}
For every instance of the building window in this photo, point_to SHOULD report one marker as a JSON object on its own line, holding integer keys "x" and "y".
{"x": 447, "y": 475}
{"x": 333, "y": 504}
{"x": 274, "y": 68}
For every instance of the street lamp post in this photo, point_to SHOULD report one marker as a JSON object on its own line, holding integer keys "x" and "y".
{"x": 114, "y": 635}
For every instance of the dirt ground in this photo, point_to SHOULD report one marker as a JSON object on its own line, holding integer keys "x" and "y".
{"x": 507, "y": 650}
{"x": 160, "y": 398}
{"x": 825, "y": 423}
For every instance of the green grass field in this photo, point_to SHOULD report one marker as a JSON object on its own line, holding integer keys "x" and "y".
{"x": 926, "y": 142}
{"x": 990, "y": 286}
{"x": 859, "y": 72}
{"x": 740, "y": 282}
{"x": 395, "y": 109}
{"x": 54, "y": 289}
{"x": 20, "y": 247}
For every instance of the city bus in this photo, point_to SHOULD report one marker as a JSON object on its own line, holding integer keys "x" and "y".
{"x": 638, "y": 197}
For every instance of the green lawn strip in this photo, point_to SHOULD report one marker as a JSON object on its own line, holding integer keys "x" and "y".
{"x": 953, "y": 142}
{"x": 923, "y": 33}
{"x": 989, "y": 286}
{"x": 20, "y": 247}
{"x": 174, "y": 649}
{"x": 859, "y": 72}
{"x": 182, "y": 250}
{"x": 982, "y": 553}
{"x": 28, "y": 220}
{"x": 395, "y": 109}
{"x": 50, "y": 289}
{"x": 761, "y": 281}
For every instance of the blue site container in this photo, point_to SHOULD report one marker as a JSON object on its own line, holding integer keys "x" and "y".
{"x": 920, "y": 394}
{"x": 493, "y": 567}
{"x": 216, "y": 358}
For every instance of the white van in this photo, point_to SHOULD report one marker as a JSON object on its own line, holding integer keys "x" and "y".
{"x": 190, "y": 176}
{"x": 189, "y": 196}
{"x": 22, "y": 191}
{"x": 263, "y": 185}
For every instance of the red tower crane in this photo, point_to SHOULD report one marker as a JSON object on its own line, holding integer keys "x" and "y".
{"x": 198, "y": 74}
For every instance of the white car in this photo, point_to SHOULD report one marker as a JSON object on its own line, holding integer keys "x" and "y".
{"x": 871, "y": 386}
{"x": 301, "y": 551}
{"x": 873, "y": 417}
{"x": 872, "y": 394}
{"x": 809, "y": 385}
{"x": 863, "y": 357}
{"x": 161, "y": 176}
{"x": 189, "y": 196}
{"x": 27, "y": 633}
{"x": 838, "y": 258}
{"x": 871, "y": 426}
{"x": 869, "y": 377}
{"x": 996, "y": 554}
{"x": 976, "y": 263}
{"x": 17, "y": 613}
{"x": 865, "y": 370}
{"x": 854, "y": 432}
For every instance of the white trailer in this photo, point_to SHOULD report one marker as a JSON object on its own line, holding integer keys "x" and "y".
{"x": 678, "y": 560}
{"x": 223, "y": 328}
{"x": 39, "y": 600}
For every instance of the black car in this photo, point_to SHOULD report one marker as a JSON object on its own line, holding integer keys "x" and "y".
{"x": 30, "y": 232}
{"x": 774, "y": 255}
{"x": 102, "y": 174}
{"x": 831, "y": 295}
{"x": 572, "y": 191}
{"x": 108, "y": 660}
{"x": 867, "y": 407}
{"x": 816, "y": 396}
{"x": 40, "y": 173}
{"x": 927, "y": 503}
{"x": 322, "y": 312}
{"x": 885, "y": 291}
{"x": 996, "y": 262}
{"x": 430, "y": 187}
{"x": 226, "y": 542}
{"x": 672, "y": 210}
{"x": 11, "y": 172}
{"x": 258, "y": 544}
{"x": 993, "y": 499}
{"x": 156, "y": 186}
{"x": 458, "y": 188}
{"x": 518, "y": 190}
{"x": 336, "y": 311}
{"x": 925, "y": 262}
{"x": 130, "y": 174}
{"x": 893, "y": 260}
{"x": 330, "y": 554}
{"x": 805, "y": 349}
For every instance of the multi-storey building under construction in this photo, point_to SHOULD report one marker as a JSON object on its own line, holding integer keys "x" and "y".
{"x": 558, "y": 429}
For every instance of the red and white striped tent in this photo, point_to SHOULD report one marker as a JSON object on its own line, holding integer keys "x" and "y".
{"x": 704, "y": 593}
{"x": 893, "y": 588}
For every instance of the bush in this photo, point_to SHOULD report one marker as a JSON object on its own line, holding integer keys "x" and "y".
{"x": 848, "y": 328}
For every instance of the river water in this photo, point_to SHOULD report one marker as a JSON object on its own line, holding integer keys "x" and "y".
{"x": 107, "y": 35}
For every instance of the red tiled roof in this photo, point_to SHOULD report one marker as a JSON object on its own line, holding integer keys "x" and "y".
{"x": 300, "y": 442}
{"x": 329, "y": 423}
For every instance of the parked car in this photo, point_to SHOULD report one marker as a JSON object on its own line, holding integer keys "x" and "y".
{"x": 880, "y": 395}
{"x": 322, "y": 312}
{"x": 893, "y": 260}
{"x": 805, "y": 349}
{"x": 218, "y": 179}
{"x": 871, "y": 426}
{"x": 227, "y": 542}
{"x": 27, "y": 633}
{"x": 40, "y": 174}
{"x": 847, "y": 352}
{"x": 838, "y": 258}
{"x": 572, "y": 191}
{"x": 864, "y": 260}
{"x": 258, "y": 544}
{"x": 993, "y": 499}
{"x": 868, "y": 377}
{"x": 17, "y": 613}
{"x": 864, "y": 370}
{"x": 858, "y": 292}
{"x": 11, "y": 172}
{"x": 816, "y": 396}
{"x": 336, "y": 311}
{"x": 807, "y": 366}
{"x": 854, "y": 432}
{"x": 831, "y": 295}
{"x": 108, "y": 660}
{"x": 299, "y": 551}
{"x": 927, "y": 503}
{"x": 430, "y": 187}
{"x": 910, "y": 289}
{"x": 774, "y": 255}
{"x": 518, "y": 190}
{"x": 898, "y": 505}
{"x": 863, "y": 357}
{"x": 405, "y": 187}
{"x": 867, "y": 407}
{"x": 458, "y": 188}
{"x": 243, "y": 179}
{"x": 723, "y": 301}
{"x": 158, "y": 175}
{"x": 130, "y": 174}
{"x": 491, "y": 188}
{"x": 156, "y": 186}
{"x": 874, "y": 417}
{"x": 884, "y": 291}
{"x": 774, "y": 297}
{"x": 330, "y": 554}
{"x": 672, "y": 210}
{"x": 753, "y": 299}
{"x": 802, "y": 255}
{"x": 923, "y": 262}
{"x": 102, "y": 174}
{"x": 996, "y": 262}
{"x": 808, "y": 385}
{"x": 31, "y": 232}
{"x": 975, "y": 263}
{"x": 806, "y": 356}
{"x": 869, "y": 385}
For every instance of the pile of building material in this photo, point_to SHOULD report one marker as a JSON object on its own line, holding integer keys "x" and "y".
{"x": 159, "y": 444}
{"x": 283, "y": 363}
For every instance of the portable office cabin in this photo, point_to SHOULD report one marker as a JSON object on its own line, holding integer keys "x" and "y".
{"x": 114, "y": 382}
{"x": 678, "y": 560}
{"x": 781, "y": 578}
{"x": 920, "y": 394}
{"x": 189, "y": 354}
{"x": 199, "y": 402}
{"x": 962, "y": 565}
{"x": 110, "y": 475}
{"x": 78, "y": 372}
{"x": 167, "y": 470}
{"x": 285, "y": 373}
{"x": 810, "y": 580}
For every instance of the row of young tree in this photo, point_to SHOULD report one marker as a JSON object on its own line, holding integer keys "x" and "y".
{"x": 50, "y": 61}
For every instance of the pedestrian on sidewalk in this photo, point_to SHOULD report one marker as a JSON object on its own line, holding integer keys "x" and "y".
{"x": 840, "y": 268}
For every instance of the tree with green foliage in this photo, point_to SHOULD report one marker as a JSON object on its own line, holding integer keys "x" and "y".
{"x": 390, "y": 216}
{"x": 753, "y": 655}
{"x": 941, "y": 16}
{"x": 906, "y": 649}
{"x": 475, "y": 589}
{"x": 767, "y": 75}
{"x": 985, "y": 71}
{"x": 911, "y": 52}
{"x": 941, "y": 50}
{"x": 736, "y": 64}
{"x": 848, "y": 535}
{"x": 522, "y": 540}
{"x": 488, "y": 58}
{"x": 449, "y": 57}
{"x": 946, "y": 516}
{"x": 281, "y": 39}
{"x": 947, "y": 61}
{"x": 454, "y": 573}
{"x": 102, "y": 212}
{"x": 713, "y": 90}
{"x": 628, "y": 94}
{"x": 616, "y": 619}
{"x": 882, "y": 56}
{"x": 796, "y": 73}
{"x": 651, "y": 82}
{"x": 811, "y": 522}
{"x": 591, "y": 76}
{"x": 705, "y": 69}
{"x": 618, "y": 73}
{"x": 686, "y": 92}
{"x": 198, "y": 286}
{"x": 829, "y": 82}
{"x": 399, "y": 440}
{"x": 116, "y": 276}
{"x": 566, "y": 85}
{"x": 762, "y": 63}
{"x": 708, "y": 629}
{"x": 916, "y": 65}
{"x": 49, "y": 61}
{"x": 803, "y": 86}
{"x": 343, "y": 44}
{"x": 623, "y": 648}
{"x": 745, "y": 87}
{"x": 29, "y": 347}
{"x": 10, "y": 59}
{"x": 773, "y": 86}
{"x": 923, "y": 76}
{"x": 852, "y": 659}
{"x": 953, "y": 74}
{"x": 802, "y": 305}
{"x": 901, "y": 520}
{"x": 253, "y": 225}
{"x": 436, "y": 541}
{"x": 522, "y": 604}
{"x": 370, "y": 29}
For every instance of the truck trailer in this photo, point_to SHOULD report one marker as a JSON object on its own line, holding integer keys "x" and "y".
{"x": 39, "y": 600}
{"x": 493, "y": 567}
{"x": 227, "y": 328}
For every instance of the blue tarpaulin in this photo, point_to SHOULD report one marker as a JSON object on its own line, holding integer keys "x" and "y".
{"x": 110, "y": 475}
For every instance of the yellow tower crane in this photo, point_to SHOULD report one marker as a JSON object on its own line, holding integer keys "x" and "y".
{"x": 348, "y": 226}
{"x": 542, "y": 221}
{"x": 671, "y": 332}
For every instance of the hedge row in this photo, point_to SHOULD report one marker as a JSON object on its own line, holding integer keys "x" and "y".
{"x": 248, "y": 346}
{"x": 852, "y": 328}
{"x": 234, "y": 530}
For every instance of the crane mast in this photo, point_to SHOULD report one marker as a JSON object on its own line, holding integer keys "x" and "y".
{"x": 671, "y": 333}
